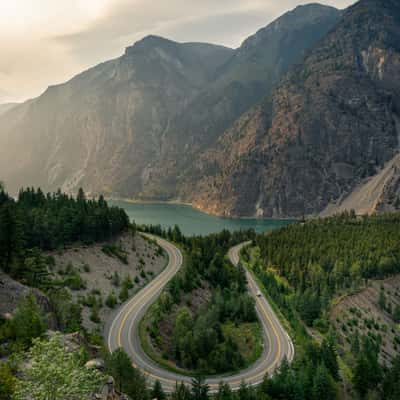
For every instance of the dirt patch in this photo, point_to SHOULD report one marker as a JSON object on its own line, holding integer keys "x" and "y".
{"x": 363, "y": 313}
{"x": 96, "y": 272}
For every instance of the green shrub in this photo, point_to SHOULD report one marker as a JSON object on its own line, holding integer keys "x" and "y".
{"x": 115, "y": 279}
{"x": 94, "y": 315}
{"x": 74, "y": 282}
{"x": 7, "y": 381}
{"x": 115, "y": 251}
{"x": 124, "y": 294}
{"x": 111, "y": 300}
{"x": 127, "y": 282}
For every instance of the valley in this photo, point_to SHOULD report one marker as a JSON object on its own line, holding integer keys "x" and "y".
{"x": 135, "y": 127}
{"x": 287, "y": 125}
{"x": 185, "y": 220}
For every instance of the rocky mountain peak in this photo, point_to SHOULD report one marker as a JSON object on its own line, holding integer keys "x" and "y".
{"x": 329, "y": 126}
{"x": 149, "y": 43}
{"x": 292, "y": 20}
{"x": 315, "y": 96}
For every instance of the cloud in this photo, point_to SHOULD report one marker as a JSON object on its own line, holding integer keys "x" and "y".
{"x": 46, "y": 42}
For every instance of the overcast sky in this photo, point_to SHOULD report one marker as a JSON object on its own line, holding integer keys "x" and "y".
{"x": 44, "y": 42}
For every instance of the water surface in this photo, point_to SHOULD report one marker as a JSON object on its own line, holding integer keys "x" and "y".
{"x": 190, "y": 220}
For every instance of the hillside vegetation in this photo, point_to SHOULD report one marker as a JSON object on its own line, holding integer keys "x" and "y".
{"x": 32, "y": 363}
{"x": 304, "y": 269}
{"x": 323, "y": 258}
{"x": 373, "y": 311}
{"x": 205, "y": 321}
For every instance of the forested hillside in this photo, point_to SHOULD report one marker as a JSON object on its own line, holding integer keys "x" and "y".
{"x": 30, "y": 225}
{"x": 46, "y": 222}
{"x": 205, "y": 321}
{"x": 305, "y": 268}
{"x": 323, "y": 258}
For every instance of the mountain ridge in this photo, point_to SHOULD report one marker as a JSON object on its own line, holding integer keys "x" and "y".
{"x": 280, "y": 127}
{"x": 330, "y": 123}
{"x": 128, "y": 127}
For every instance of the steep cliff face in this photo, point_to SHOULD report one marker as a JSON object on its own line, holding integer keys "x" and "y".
{"x": 132, "y": 126}
{"x": 254, "y": 69}
{"x": 244, "y": 80}
{"x": 100, "y": 129}
{"x": 330, "y": 124}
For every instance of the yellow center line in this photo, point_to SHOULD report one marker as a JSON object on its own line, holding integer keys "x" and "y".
{"x": 150, "y": 290}
{"x": 261, "y": 374}
{"x": 157, "y": 285}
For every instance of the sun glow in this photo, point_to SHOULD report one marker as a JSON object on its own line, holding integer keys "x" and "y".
{"x": 93, "y": 8}
{"x": 22, "y": 16}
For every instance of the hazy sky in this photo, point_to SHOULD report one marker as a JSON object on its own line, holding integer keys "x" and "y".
{"x": 44, "y": 42}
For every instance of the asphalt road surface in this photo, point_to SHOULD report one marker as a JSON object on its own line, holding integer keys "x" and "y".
{"x": 123, "y": 331}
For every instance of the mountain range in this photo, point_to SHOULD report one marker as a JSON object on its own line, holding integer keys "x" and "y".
{"x": 303, "y": 118}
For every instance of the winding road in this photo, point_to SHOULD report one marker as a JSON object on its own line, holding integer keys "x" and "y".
{"x": 123, "y": 331}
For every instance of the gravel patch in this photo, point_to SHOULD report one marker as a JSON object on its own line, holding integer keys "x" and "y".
{"x": 136, "y": 260}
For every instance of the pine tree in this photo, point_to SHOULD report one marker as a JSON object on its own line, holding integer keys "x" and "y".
{"x": 128, "y": 380}
{"x": 199, "y": 389}
{"x": 157, "y": 391}
{"x": 28, "y": 322}
{"x": 35, "y": 269}
{"x": 329, "y": 355}
{"x": 391, "y": 386}
{"x": 396, "y": 314}
{"x": 382, "y": 299}
{"x": 323, "y": 385}
{"x": 11, "y": 239}
{"x": 224, "y": 392}
{"x": 181, "y": 392}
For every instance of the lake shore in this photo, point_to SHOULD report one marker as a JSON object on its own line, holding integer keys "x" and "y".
{"x": 190, "y": 205}
{"x": 190, "y": 220}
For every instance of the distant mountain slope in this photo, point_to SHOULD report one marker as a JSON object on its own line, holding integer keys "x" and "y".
{"x": 250, "y": 74}
{"x": 100, "y": 129}
{"x": 380, "y": 192}
{"x": 131, "y": 127}
{"x": 331, "y": 123}
{"x": 5, "y": 107}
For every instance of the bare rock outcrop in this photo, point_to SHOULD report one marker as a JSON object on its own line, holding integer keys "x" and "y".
{"x": 329, "y": 125}
{"x": 12, "y": 292}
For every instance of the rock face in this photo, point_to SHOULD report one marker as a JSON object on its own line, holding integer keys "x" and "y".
{"x": 6, "y": 107}
{"x": 379, "y": 193}
{"x": 251, "y": 73}
{"x": 305, "y": 112}
{"x": 330, "y": 124}
{"x": 11, "y": 294}
{"x": 132, "y": 127}
{"x": 100, "y": 129}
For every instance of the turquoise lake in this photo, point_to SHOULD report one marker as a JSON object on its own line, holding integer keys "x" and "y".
{"x": 190, "y": 220}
